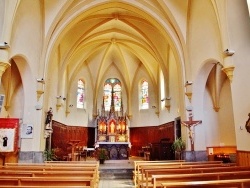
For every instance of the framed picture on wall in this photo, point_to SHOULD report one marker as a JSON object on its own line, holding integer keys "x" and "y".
{"x": 27, "y": 131}
{"x": 7, "y": 138}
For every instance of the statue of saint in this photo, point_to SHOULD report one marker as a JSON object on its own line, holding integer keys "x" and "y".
{"x": 112, "y": 128}
{"x": 49, "y": 118}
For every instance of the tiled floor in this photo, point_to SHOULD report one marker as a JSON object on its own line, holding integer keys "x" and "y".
{"x": 117, "y": 183}
{"x": 124, "y": 183}
{"x": 117, "y": 164}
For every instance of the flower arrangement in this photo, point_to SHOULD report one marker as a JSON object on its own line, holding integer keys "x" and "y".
{"x": 101, "y": 153}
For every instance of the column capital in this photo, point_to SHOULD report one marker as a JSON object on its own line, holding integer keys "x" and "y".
{"x": 229, "y": 72}
{"x": 3, "y": 66}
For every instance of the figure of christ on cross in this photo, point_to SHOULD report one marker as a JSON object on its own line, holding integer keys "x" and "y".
{"x": 190, "y": 124}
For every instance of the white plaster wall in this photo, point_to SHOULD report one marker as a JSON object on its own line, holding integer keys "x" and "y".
{"x": 26, "y": 43}
{"x": 239, "y": 33}
{"x": 204, "y": 43}
{"x": 226, "y": 118}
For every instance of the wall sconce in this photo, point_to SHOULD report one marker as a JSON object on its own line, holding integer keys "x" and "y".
{"x": 188, "y": 92}
{"x": 166, "y": 98}
{"x": 40, "y": 80}
{"x": 4, "y": 45}
{"x": 188, "y": 83}
{"x": 167, "y": 103}
{"x": 38, "y": 107}
{"x": 64, "y": 98}
{"x": 229, "y": 52}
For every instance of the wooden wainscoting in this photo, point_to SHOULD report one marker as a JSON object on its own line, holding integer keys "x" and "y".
{"x": 243, "y": 158}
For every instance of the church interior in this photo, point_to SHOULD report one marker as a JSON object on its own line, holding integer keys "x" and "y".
{"x": 131, "y": 77}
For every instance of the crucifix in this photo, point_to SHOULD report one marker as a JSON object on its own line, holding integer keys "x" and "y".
{"x": 190, "y": 124}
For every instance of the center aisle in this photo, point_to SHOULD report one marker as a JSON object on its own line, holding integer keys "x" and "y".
{"x": 124, "y": 183}
{"x": 117, "y": 173}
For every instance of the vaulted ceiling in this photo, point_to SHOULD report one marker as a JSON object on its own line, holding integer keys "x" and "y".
{"x": 113, "y": 34}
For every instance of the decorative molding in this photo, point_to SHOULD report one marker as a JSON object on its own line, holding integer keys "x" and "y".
{"x": 129, "y": 116}
{"x": 3, "y": 67}
{"x": 229, "y": 72}
{"x": 157, "y": 113}
{"x": 67, "y": 112}
{"x": 189, "y": 95}
{"x": 216, "y": 108}
{"x": 167, "y": 107}
{"x": 7, "y": 107}
{"x": 58, "y": 106}
{"x": 39, "y": 94}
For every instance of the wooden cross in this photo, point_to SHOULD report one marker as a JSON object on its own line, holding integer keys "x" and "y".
{"x": 190, "y": 124}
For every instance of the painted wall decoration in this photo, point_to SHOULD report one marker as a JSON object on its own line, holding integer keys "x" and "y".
{"x": 7, "y": 137}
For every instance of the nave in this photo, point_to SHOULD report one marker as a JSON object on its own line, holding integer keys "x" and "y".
{"x": 133, "y": 173}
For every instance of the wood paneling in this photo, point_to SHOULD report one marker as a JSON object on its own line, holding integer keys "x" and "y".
{"x": 221, "y": 149}
{"x": 63, "y": 134}
{"x": 243, "y": 158}
{"x": 143, "y": 136}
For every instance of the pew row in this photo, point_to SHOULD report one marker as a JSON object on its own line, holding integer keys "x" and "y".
{"x": 239, "y": 183}
{"x": 147, "y": 173}
{"x": 43, "y": 186}
{"x": 48, "y": 181}
{"x": 158, "y": 179}
{"x": 55, "y": 174}
{"x": 139, "y": 172}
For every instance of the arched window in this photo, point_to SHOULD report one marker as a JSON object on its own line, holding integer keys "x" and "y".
{"x": 162, "y": 89}
{"x": 112, "y": 84}
{"x": 144, "y": 94}
{"x": 80, "y": 94}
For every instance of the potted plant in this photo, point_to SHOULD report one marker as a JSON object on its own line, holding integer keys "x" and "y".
{"x": 49, "y": 155}
{"x": 179, "y": 146}
{"x": 101, "y": 154}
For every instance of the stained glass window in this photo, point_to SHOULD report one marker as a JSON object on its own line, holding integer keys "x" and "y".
{"x": 162, "y": 89}
{"x": 144, "y": 95}
{"x": 80, "y": 94}
{"x": 112, "y": 84}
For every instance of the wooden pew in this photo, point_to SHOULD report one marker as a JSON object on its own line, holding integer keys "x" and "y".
{"x": 158, "y": 179}
{"x": 66, "y": 178}
{"x": 38, "y": 186}
{"x": 150, "y": 172}
{"x": 48, "y": 181}
{"x": 49, "y": 168}
{"x": 87, "y": 171}
{"x": 137, "y": 164}
{"x": 146, "y": 171}
{"x": 15, "y": 173}
{"x": 55, "y": 163}
{"x": 138, "y": 175}
{"x": 93, "y": 168}
{"x": 242, "y": 183}
{"x": 73, "y": 164}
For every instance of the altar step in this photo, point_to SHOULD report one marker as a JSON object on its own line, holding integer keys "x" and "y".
{"x": 116, "y": 169}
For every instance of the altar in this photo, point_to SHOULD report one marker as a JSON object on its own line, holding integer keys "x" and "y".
{"x": 116, "y": 150}
{"x": 112, "y": 128}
